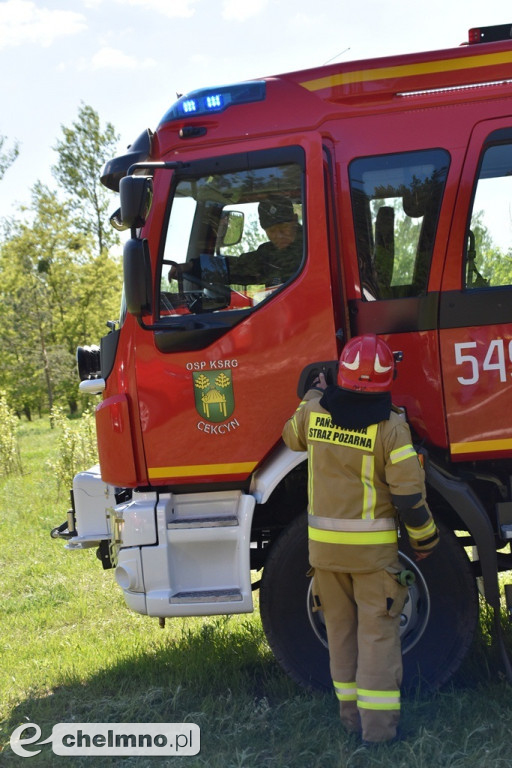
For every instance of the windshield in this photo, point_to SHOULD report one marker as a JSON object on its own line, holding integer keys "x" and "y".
{"x": 233, "y": 239}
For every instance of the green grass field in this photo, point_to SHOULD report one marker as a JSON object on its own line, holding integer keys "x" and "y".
{"x": 71, "y": 652}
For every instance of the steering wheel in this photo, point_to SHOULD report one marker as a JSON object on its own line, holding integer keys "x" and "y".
{"x": 189, "y": 276}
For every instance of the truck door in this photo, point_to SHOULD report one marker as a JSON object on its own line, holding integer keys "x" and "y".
{"x": 476, "y": 300}
{"x": 236, "y": 319}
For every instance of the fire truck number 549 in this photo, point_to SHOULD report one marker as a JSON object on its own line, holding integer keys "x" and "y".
{"x": 498, "y": 355}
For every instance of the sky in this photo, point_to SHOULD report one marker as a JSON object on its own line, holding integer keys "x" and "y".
{"x": 129, "y": 58}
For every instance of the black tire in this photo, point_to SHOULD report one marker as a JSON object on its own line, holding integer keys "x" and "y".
{"x": 438, "y": 622}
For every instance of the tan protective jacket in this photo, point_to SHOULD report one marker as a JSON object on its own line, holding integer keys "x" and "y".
{"x": 357, "y": 481}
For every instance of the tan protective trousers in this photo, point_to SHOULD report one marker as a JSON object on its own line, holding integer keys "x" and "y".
{"x": 362, "y": 617}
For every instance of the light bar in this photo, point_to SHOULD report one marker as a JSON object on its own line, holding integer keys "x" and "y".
{"x": 453, "y": 88}
{"x": 490, "y": 34}
{"x": 214, "y": 100}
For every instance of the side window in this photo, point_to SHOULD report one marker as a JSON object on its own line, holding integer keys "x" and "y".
{"x": 233, "y": 238}
{"x": 488, "y": 258}
{"x": 396, "y": 201}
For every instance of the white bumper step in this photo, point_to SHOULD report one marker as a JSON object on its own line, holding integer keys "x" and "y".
{"x": 207, "y": 596}
{"x": 200, "y": 563}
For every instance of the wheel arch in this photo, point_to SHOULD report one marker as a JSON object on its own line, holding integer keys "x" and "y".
{"x": 273, "y": 471}
{"x": 280, "y": 489}
{"x": 463, "y": 501}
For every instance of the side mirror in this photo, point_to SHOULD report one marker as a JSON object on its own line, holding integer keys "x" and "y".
{"x": 231, "y": 228}
{"x": 136, "y": 195}
{"x": 137, "y": 277}
{"x": 117, "y": 168}
{"x": 117, "y": 222}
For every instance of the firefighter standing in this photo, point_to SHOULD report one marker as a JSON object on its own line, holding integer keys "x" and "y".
{"x": 362, "y": 469}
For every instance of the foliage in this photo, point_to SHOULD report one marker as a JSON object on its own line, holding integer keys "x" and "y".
{"x": 7, "y": 156}
{"x": 492, "y": 263}
{"x": 9, "y": 451}
{"x": 83, "y": 150}
{"x": 72, "y": 652}
{"x": 57, "y": 291}
{"x": 76, "y": 443}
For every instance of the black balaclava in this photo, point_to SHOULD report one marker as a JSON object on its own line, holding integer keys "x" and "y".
{"x": 355, "y": 410}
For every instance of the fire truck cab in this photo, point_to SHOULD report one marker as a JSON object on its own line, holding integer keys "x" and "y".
{"x": 396, "y": 174}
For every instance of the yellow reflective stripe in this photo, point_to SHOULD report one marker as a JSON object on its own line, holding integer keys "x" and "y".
{"x": 310, "y": 477}
{"x": 342, "y": 524}
{"x": 400, "y": 454}
{"x": 196, "y": 470}
{"x": 481, "y": 446}
{"x": 370, "y": 494}
{"x": 422, "y": 533}
{"x": 292, "y": 420}
{"x": 381, "y": 700}
{"x": 345, "y": 691}
{"x": 350, "y": 537}
{"x": 407, "y": 70}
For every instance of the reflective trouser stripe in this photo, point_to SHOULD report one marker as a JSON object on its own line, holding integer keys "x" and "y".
{"x": 345, "y": 691}
{"x": 381, "y": 700}
{"x": 400, "y": 454}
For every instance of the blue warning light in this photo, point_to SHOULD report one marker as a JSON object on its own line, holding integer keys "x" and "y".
{"x": 209, "y": 100}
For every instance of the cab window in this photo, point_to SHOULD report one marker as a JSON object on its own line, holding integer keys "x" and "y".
{"x": 396, "y": 201}
{"x": 488, "y": 258}
{"x": 234, "y": 235}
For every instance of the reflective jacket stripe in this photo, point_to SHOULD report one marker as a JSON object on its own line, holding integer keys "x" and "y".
{"x": 369, "y": 495}
{"x": 345, "y": 691}
{"x": 333, "y": 530}
{"x": 424, "y": 532}
{"x": 292, "y": 420}
{"x": 310, "y": 476}
{"x": 368, "y": 538}
{"x": 351, "y": 526}
{"x": 382, "y": 700}
{"x": 400, "y": 454}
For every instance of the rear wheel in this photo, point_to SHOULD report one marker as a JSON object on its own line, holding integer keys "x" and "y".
{"x": 437, "y": 623}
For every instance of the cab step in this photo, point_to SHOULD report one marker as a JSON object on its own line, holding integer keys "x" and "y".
{"x": 207, "y": 596}
{"x": 218, "y": 521}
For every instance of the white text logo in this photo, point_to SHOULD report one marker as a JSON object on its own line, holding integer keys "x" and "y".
{"x": 123, "y": 739}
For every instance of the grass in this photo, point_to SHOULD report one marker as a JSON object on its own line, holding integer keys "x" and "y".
{"x": 71, "y": 652}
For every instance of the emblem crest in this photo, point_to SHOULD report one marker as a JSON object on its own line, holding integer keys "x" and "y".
{"x": 213, "y": 392}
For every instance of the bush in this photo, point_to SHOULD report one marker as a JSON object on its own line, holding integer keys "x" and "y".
{"x": 77, "y": 447}
{"x": 10, "y": 461}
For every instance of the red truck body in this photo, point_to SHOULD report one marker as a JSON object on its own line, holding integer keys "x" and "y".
{"x": 387, "y": 163}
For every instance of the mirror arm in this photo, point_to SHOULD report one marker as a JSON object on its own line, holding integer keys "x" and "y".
{"x": 155, "y": 166}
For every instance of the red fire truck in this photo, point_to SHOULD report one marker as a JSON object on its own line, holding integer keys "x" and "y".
{"x": 397, "y": 177}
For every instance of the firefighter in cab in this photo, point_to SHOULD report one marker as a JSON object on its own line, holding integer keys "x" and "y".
{"x": 363, "y": 476}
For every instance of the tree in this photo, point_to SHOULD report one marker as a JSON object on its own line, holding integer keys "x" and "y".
{"x": 83, "y": 150}
{"x": 55, "y": 294}
{"x": 7, "y": 156}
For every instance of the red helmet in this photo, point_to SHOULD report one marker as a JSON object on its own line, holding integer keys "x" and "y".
{"x": 366, "y": 365}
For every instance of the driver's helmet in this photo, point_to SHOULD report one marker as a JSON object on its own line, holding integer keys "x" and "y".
{"x": 366, "y": 365}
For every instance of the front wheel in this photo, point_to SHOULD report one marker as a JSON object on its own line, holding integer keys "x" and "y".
{"x": 437, "y": 623}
